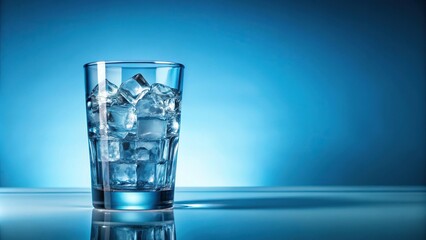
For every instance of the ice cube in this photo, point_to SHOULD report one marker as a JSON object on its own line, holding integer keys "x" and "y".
{"x": 145, "y": 174}
{"x": 103, "y": 93}
{"x": 92, "y": 118}
{"x": 151, "y": 128}
{"x": 120, "y": 100}
{"x": 173, "y": 125}
{"x": 143, "y": 150}
{"x": 122, "y": 174}
{"x": 153, "y": 149}
{"x": 141, "y": 154}
{"x": 149, "y": 145}
{"x": 149, "y": 106}
{"x": 156, "y": 153}
{"x": 93, "y": 123}
{"x": 162, "y": 90}
{"x": 104, "y": 89}
{"x": 121, "y": 119}
{"x": 161, "y": 102}
{"x": 127, "y": 149}
{"x": 166, "y": 96}
{"x": 134, "y": 88}
{"x": 108, "y": 149}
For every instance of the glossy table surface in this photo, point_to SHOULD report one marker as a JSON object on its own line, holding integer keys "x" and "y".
{"x": 223, "y": 213}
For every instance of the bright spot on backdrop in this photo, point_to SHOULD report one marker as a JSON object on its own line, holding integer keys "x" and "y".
{"x": 276, "y": 92}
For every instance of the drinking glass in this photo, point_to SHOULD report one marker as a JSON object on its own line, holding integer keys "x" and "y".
{"x": 133, "y": 122}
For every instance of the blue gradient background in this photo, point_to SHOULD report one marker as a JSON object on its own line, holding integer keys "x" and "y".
{"x": 276, "y": 92}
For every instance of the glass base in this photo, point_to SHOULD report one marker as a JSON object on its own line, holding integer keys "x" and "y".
{"x": 132, "y": 200}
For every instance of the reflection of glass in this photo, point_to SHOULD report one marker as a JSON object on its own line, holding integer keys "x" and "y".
{"x": 129, "y": 225}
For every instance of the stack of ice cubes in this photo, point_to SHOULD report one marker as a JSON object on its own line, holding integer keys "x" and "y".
{"x": 133, "y": 128}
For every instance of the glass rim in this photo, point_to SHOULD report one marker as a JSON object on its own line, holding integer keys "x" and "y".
{"x": 156, "y": 63}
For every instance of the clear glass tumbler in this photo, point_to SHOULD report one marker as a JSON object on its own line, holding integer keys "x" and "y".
{"x": 133, "y": 121}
